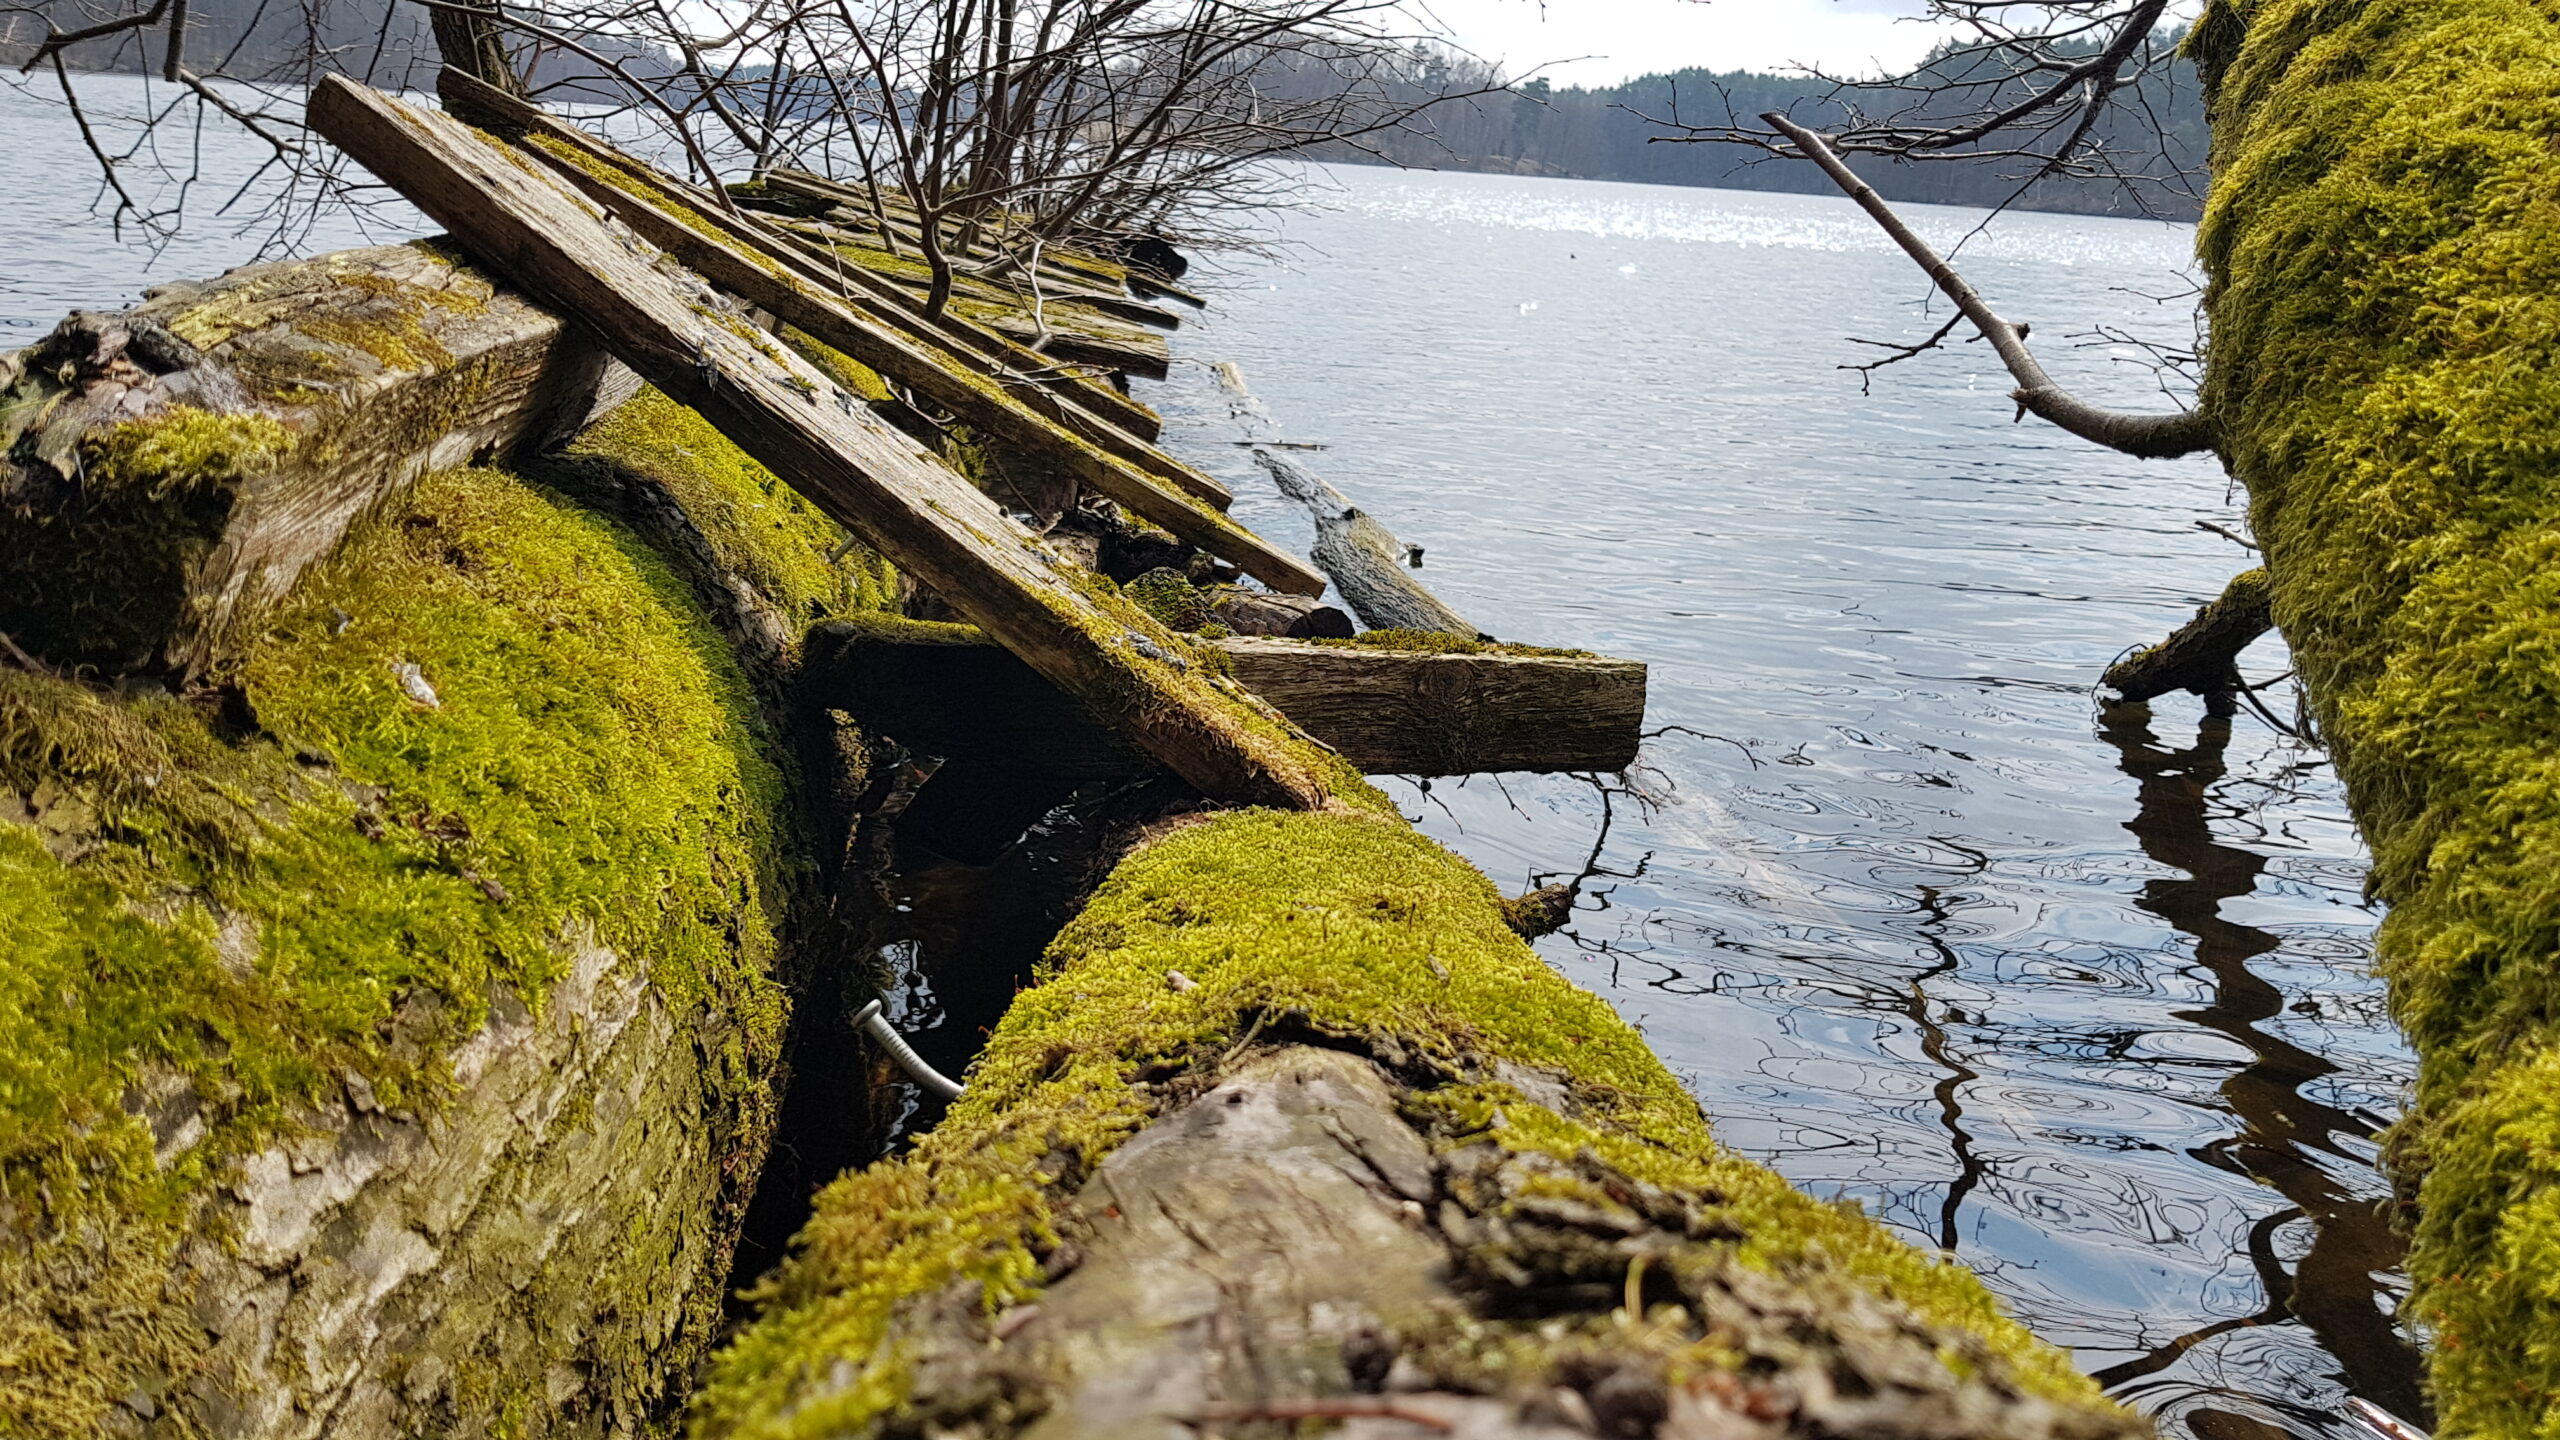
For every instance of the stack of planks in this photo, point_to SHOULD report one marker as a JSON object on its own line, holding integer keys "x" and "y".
{"x": 668, "y": 278}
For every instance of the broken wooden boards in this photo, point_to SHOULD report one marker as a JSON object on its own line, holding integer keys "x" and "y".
{"x": 685, "y": 339}
{"x": 1135, "y": 475}
{"x": 928, "y": 353}
{"x": 944, "y": 690}
{"x": 321, "y": 386}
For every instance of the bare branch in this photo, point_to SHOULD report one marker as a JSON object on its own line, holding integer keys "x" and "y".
{"x": 2147, "y": 436}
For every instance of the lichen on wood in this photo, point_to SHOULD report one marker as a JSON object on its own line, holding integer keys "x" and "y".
{"x": 2383, "y": 246}
{"x": 1571, "y": 1165}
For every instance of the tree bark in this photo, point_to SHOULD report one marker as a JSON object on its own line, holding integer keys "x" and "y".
{"x": 2201, "y": 656}
{"x": 371, "y": 367}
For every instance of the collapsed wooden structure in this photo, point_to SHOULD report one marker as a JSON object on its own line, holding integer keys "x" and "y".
{"x": 497, "y": 1195}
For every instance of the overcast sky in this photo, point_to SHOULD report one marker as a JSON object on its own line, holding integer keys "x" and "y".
{"x": 1605, "y": 41}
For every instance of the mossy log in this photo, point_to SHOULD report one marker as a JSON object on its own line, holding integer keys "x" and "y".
{"x": 2202, "y": 656}
{"x": 1296, "y": 1129}
{"x": 180, "y": 465}
{"x": 393, "y": 1032}
{"x": 2382, "y": 244}
{"x": 947, "y": 690}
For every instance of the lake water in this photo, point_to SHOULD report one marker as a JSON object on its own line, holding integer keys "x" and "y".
{"x": 2082, "y": 997}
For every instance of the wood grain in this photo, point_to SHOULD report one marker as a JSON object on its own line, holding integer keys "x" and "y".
{"x": 671, "y": 328}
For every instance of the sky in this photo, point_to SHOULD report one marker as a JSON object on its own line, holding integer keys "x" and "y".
{"x": 1600, "y": 42}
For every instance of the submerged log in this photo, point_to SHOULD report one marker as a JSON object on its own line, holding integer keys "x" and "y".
{"x": 316, "y": 388}
{"x": 830, "y": 448}
{"x": 947, "y": 690}
{"x": 1298, "y": 1130}
{"x": 2203, "y": 655}
{"x": 1364, "y": 558}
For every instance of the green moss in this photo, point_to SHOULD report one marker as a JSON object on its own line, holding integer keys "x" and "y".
{"x": 1347, "y": 926}
{"x": 2383, "y": 240}
{"x": 179, "y": 898}
{"x": 759, "y": 528}
{"x": 1437, "y": 642}
{"x": 1175, "y": 602}
{"x": 183, "y": 448}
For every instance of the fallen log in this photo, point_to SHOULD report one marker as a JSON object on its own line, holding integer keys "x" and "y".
{"x": 946, "y": 690}
{"x": 1289, "y": 617}
{"x": 324, "y": 386}
{"x": 848, "y": 461}
{"x": 756, "y": 279}
{"x": 1298, "y": 1130}
{"x": 1364, "y": 558}
{"x": 1087, "y": 405}
{"x": 2203, "y": 655}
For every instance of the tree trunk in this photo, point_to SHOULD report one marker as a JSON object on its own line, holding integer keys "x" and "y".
{"x": 471, "y": 39}
{"x": 2384, "y": 284}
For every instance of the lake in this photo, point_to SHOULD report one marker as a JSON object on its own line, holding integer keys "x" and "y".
{"x": 2083, "y": 997}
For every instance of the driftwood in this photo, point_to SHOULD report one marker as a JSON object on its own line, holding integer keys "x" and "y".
{"x": 1001, "y": 413}
{"x": 374, "y": 365}
{"x": 945, "y": 690}
{"x": 1364, "y": 558}
{"x": 1078, "y": 400}
{"x": 852, "y": 464}
{"x": 1289, "y": 617}
{"x": 2201, "y": 656}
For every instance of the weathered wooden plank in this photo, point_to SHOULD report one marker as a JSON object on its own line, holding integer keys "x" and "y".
{"x": 1062, "y": 276}
{"x": 1401, "y": 712}
{"x": 372, "y": 366}
{"x": 1094, "y": 409}
{"x": 1364, "y": 558}
{"x": 674, "y": 331}
{"x": 946, "y": 690}
{"x": 983, "y": 405}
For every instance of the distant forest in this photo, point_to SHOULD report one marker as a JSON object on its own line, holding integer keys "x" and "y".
{"x": 2156, "y": 131}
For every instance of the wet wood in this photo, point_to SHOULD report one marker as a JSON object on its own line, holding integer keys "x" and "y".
{"x": 1394, "y": 712}
{"x": 1294, "y": 617}
{"x": 945, "y": 690}
{"x": 852, "y": 464}
{"x": 1088, "y": 399}
{"x": 2203, "y": 655}
{"x": 378, "y": 365}
{"x": 993, "y": 409}
{"x": 1364, "y": 558}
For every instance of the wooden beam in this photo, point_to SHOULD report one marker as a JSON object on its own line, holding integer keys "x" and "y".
{"x": 946, "y": 690}
{"x": 1088, "y": 397}
{"x": 757, "y": 280}
{"x": 669, "y": 327}
{"x": 373, "y": 366}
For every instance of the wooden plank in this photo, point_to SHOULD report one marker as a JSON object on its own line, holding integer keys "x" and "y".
{"x": 945, "y": 690}
{"x": 375, "y": 365}
{"x": 972, "y": 398}
{"x": 1364, "y": 558}
{"x": 668, "y": 326}
{"x": 1094, "y": 409}
{"x": 1063, "y": 275}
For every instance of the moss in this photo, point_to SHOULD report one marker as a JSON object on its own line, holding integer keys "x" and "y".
{"x": 2383, "y": 242}
{"x": 1175, "y": 602}
{"x": 182, "y": 448}
{"x": 758, "y": 527}
{"x": 340, "y": 889}
{"x": 1338, "y": 925}
{"x": 1436, "y": 642}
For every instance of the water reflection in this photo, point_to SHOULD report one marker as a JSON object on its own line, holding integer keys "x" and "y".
{"x": 2336, "y": 1284}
